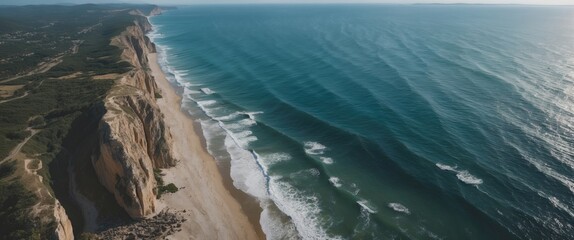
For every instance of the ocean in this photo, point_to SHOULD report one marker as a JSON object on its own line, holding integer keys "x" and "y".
{"x": 385, "y": 121}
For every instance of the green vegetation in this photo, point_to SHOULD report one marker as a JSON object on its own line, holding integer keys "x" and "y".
{"x": 34, "y": 34}
{"x": 79, "y": 38}
{"x": 15, "y": 205}
{"x": 161, "y": 187}
{"x": 89, "y": 236}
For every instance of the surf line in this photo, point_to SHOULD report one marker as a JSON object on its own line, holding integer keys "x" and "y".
{"x": 263, "y": 170}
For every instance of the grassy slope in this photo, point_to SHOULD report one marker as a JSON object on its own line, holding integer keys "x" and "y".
{"x": 68, "y": 108}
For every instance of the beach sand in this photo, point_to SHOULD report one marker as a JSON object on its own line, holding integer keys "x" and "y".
{"x": 210, "y": 209}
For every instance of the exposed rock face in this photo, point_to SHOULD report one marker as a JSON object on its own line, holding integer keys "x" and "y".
{"x": 133, "y": 137}
{"x": 159, "y": 227}
{"x": 156, "y": 11}
{"x": 135, "y": 44}
{"x": 64, "y": 229}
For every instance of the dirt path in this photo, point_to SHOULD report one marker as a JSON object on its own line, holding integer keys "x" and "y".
{"x": 44, "y": 67}
{"x": 39, "y": 207}
{"x": 23, "y": 96}
{"x": 18, "y": 147}
{"x": 12, "y": 99}
{"x": 40, "y": 69}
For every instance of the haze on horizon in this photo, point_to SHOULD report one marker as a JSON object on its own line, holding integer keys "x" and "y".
{"x": 535, "y": 2}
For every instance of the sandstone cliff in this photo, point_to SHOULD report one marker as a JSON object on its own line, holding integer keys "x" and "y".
{"x": 133, "y": 138}
{"x": 64, "y": 229}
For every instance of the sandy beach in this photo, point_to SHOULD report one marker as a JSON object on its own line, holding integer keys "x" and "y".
{"x": 210, "y": 209}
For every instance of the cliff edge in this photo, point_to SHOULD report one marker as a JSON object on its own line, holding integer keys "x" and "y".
{"x": 133, "y": 139}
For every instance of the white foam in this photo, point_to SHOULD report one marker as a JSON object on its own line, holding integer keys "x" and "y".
{"x": 468, "y": 178}
{"x": 557, "y": 204}
{"x": 326, "y": 160}
{"x": 187, "y": 92}
{"x": 245, "y": 172}
{"x": 314, "y": 148}
{"x": 206, "y": 103}
{"x": 274, "y": 226}
{"x": 244, "y": 138}
{"x": 207, "y": 91}
{"x": 229, "y": 117}
{"x": 314, "y": 172}
{"x": 462, "y": 175}
{"x": 252, "y": 114}
{"x": 445, "y": 167}
{"x": 247, "y": 122}
{"x": 243, "y": 134}
{"x": 367, "y": 206}
{"x": 181, "y": 73}
{"x": 303, "y": 208}
{"x": 178, "y": 77}
{"x": 355, "y": 189}
{"x": 399, "y": 208}
{"x": 154, "y": 35}
{"x": 274, "y": 158}
{"x": 188, "y": 84}
{"x": 335, "y": 181}
{"x": 234, "y": 126}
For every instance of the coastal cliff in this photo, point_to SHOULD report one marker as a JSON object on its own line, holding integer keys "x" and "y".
{"x": 64, "y": 228}
{"x": 133, "y": 139}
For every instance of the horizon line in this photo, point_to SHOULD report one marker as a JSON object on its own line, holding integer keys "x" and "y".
{"x": 296, "y": 3}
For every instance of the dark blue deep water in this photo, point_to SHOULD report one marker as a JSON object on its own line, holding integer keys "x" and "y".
{"x": 383, "y": 121}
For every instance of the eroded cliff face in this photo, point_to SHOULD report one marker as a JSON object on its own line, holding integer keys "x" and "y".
{"x": 133, "y": 137}
{"x": 64, "y": 229}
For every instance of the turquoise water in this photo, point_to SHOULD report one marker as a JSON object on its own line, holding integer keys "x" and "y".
{"x": 382, "y": 121}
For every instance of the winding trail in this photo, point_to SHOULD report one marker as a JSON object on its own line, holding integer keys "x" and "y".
{"x": 23, "y": 96}
{"x": 12, "y": 99}
{"x": 40, "y": 69}
{"x": 18, "y": 147}
{"x": 44, "y": 67}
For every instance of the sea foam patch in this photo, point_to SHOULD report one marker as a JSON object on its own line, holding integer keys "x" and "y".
{"x": 207, "y": 91}
{"x": 399, "y": 208}
{"x": 335, "y": 181}
{"x": 366, "y": 205}
{"x": 303, "y": 208}
{"x": 314, "y": 148}
{"x": 462, "y": 175}
{"x": 326, "y": 160}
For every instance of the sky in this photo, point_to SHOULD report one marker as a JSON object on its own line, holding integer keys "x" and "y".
{"x": 544, "y": 2}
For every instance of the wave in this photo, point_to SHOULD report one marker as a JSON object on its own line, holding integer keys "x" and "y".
{"x": 301, "y": 207}
{"x": 399, "y": 208}
{"x": 367, "y": 206}
{"x": 314, "y": 148}
{"x": 274, "y": 158}
{"x": 249, "y": 170}
{"x": 335, "y": 181}
{"x": 462, "y": 175}
{"x": 327, "y": 160}
{"x": 207, "y": 103}
{"x": 468, "y": 178}
{"x": 445, "y": 167}
{"x": 207, "y": 91}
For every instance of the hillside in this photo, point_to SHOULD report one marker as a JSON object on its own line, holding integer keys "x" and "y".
{"x": 61, "y": 67}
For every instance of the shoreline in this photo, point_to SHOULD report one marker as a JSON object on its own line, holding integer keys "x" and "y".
{"x": 211, "y": 209}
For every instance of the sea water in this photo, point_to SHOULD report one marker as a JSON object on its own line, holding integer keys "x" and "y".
{"x": 385, "y": 121}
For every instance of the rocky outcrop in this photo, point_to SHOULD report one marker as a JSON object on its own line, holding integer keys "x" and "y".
{"x": 64, "y": 229}
{"x": 156, "y": 11}
{"x": 135, "y": 44}
{"x": 159, "y": 227}
{"x": 133, "y": 137}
